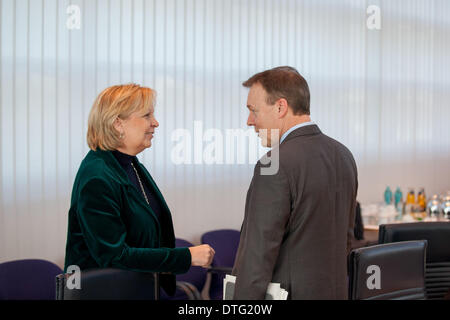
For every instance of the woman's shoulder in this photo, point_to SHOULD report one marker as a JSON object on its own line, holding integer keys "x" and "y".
{"x": 96, "y": 167}
{"x": 93, "y": 163}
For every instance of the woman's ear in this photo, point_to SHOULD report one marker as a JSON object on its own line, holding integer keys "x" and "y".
{"x": 118, "y": 125}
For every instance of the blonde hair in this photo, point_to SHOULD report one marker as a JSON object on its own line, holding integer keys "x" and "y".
{"x": 113, "y": 102}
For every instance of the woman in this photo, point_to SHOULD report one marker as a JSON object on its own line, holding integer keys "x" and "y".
{"x": 118, "y": 217}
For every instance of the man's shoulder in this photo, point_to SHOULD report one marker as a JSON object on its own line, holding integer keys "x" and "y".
{"x": 300, "y": 145}
{"x": 340, "y": 149}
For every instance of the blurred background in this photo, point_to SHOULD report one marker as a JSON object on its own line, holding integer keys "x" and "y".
{"x": 378, "y": 71}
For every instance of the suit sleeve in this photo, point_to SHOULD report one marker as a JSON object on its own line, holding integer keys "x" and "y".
{"x": 267, "y": 215}
{"x": 105, "y": 234}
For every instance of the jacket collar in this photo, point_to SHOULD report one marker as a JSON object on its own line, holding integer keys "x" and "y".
{"x": 112, "y": 162}
{"x": 303, "y": 131}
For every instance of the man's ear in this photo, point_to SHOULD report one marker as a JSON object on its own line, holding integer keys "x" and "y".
{"x": 283, "y": 108}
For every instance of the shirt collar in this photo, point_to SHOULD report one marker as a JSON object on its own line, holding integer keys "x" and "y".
{"x": 123, "y": 158}
{"x": 304, "y": 124}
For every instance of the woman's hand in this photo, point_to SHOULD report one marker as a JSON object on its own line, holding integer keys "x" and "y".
{"x": 202, "y": 255}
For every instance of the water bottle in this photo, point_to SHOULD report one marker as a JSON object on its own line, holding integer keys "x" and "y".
{"x": 398, "y": 199}
{"x": 388, "y": 196}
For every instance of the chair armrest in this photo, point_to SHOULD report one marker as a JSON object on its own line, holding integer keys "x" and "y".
{"x": 184, "y": 286}
{"x": 60, "y": 284}
{"x": 220, "y": 270}
{"x": 190, "y": 290}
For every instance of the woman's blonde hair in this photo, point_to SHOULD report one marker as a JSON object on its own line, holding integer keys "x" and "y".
{"x": 112, "y": 103}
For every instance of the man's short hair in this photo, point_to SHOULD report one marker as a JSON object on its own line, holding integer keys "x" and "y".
{"x": 284, "y": 82}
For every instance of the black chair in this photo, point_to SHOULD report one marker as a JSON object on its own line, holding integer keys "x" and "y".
{"x": 401, "y": 268}
{"x": 110, "y": 284}
{"x": 359, "y": 240}
{"x": 437, "y": 272}
{"x": 359, "y": 224}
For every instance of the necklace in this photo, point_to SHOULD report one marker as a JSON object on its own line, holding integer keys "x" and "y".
{"x": 140, "y": 183}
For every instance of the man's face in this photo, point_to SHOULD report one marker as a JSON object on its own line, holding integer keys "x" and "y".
{"x": 263, "y": 117}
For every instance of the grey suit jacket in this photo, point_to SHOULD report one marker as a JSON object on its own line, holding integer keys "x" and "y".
{"x": 298, "y": 223}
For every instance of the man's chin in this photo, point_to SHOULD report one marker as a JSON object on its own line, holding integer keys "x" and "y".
{"x": 265, "y": 143}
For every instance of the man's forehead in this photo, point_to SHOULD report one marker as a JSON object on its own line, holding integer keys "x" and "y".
{"x": 257, "y": 88}
{"x": 251, "y": 102}
{"x": 256, "y": 93}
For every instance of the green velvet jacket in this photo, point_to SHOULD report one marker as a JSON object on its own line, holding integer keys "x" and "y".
{"x": 111, "y": 225}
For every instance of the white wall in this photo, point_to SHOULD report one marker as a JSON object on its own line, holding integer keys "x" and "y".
{"x": 384, "y": 93}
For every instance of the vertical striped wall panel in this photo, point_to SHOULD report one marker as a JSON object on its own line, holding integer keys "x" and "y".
{"x": 383, "y": 93}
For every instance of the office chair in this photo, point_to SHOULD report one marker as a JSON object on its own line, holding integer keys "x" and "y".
{"x": 437, "y": 272}
{"x": 189, "y": 284}
{"x": 29, "y": 279}
{"x": 225, "y": 243}
{"x": 393, "y": 271}
{"x": 109, "y": 284}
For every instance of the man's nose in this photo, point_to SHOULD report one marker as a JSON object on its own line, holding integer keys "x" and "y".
{"x": 250, "y": 120}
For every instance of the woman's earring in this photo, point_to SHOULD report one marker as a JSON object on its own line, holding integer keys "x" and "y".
{"x": 121, "y": 135}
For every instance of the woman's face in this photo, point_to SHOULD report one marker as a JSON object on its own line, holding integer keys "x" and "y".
{"x": 138, "y": 130}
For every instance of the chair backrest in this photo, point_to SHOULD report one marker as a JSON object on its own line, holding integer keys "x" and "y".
{"x": 108, "y": 284}
{"x": 225, "y": 243}
{"x": 359, "y": 224}
{"x": 195, "y": 276}
{"x": 437, "y": 272}
{"x": 30, "y": 279}
{"x": 393, "y": 271}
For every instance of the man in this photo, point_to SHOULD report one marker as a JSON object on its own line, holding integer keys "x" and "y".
{"x": 299, "y": 221}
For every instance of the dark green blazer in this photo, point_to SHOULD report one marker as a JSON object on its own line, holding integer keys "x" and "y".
{"x": 111, "y": 225}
